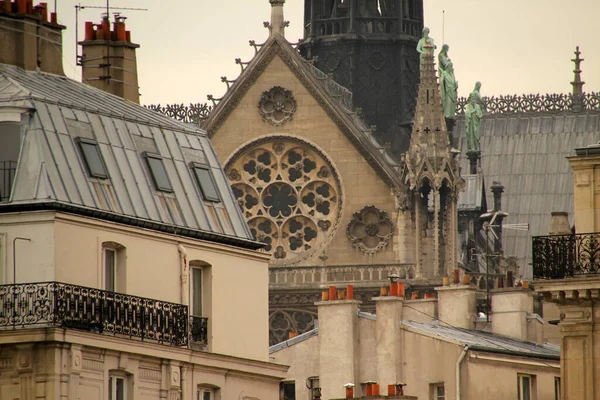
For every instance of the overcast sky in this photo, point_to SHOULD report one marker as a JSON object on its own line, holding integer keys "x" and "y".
{"x": 511, "y": 46}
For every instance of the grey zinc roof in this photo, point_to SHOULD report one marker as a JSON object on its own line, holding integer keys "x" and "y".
{"x": 484, "y": 341}
{"x": 527, "y": 153}
{"x": 51, "y": 167}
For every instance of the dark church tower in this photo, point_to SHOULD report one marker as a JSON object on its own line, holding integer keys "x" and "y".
{"x": 370, "y": 48}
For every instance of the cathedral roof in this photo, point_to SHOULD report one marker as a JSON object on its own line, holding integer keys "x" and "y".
{"x": 335, "y": 100}
{"x": 52, "y": 171}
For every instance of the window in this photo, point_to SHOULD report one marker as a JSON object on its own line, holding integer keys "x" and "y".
{"x": 287, "y": 391}
{"x": 437, "y": 391}
{"x": 557, "y": 388}
{"x": 206, "y": 393}
{"x": 526, "y": 387}
{"x": 197, "y": 291}
{"x": 93, "y": 158}
{"x": 113, "y": 267}
{"x": 117, "y": 388}
{"x": 110, "y": 269}
{"x": 159, "y": 173}
{"x": 206, "y": 182}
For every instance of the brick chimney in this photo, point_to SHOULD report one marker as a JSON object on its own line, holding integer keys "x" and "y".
{"x": 29, "y": 40}
{"x": 108, "y": 61}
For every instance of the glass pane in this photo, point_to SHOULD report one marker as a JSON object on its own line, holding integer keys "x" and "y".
{"x": 110, "y": 388}
{"x": 207, "y": 185}
{"x": 120, "y": 389}
{"x": 159, "y": 174}
{"x": 206, "y": 395}
{"x": 197, "y": 292}
{"x": 110, "y": 263}
{"x": 93, "y": 160}
{"x": 440, "y": 392}
{"x": 526, "y": 388}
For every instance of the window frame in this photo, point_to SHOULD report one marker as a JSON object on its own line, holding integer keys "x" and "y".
{"x": 531, "y": 385}
{"x": 214, "y": 199}
{"x": 112, "y": 386}
{"x": 193, "y": 298}
{"x": 433, "y": 390}
{"x": 148, "y": 156}
{"x": 114, "y": 251}
{"x": 557, "y": 395}
{"x": 81, "y": 141}
{"x": 203, "y": 389}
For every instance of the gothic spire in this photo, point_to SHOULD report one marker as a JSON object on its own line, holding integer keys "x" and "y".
{"x": 429, "y": 152}
{"x": 577, "y": 83}
{"x": 277, "y": 24}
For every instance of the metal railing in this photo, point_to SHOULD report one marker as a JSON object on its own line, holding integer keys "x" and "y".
{"x": 7, "y": 176}
{"x": 566, "y": 256}
{"x": 94, "y": 310}
{"x": 199, "y": 330}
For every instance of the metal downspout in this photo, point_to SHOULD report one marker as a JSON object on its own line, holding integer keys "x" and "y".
{"x": 458, "y": 363}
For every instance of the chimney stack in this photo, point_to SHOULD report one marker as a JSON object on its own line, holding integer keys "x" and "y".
{"x": 29, "y": 40}
{"x": 108, "y": 60}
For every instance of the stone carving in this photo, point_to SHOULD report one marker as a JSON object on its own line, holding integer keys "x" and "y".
{"x": 425, "y": 44}
{"x": 370, "y": 229}
{"x": 289, "y": 193}
{"x": 282, "y": 322}
{"x": 277, "y": 106}
{"x": 192, "y": 113}
{"x": 448, "y": 83}
{"x": 473, "y": 114}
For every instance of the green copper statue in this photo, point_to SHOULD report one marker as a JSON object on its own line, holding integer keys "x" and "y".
{"x": 473, "y": 113}
{"x": 421, "y": 48}
{"x": 448, "y": 83}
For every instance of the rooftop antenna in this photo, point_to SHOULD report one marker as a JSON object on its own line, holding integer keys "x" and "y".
{"x": 107, "y": 7}
{"x": 443, "y": 26}
{"x": 489, "y": 227}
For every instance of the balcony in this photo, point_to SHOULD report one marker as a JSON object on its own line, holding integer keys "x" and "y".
{"x": 7, "y": 176}
{"x": 566, "y": 256}
{"x": 98, "y": 311}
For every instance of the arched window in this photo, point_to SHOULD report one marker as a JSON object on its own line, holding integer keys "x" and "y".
{"x": 114, "y": 276}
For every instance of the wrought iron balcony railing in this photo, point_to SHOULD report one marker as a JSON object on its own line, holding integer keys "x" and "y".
{"x": 566, "y": 256}
{"x": 94, "y": 310}
{"x": 7, "y": 176}
{"x": 198, "y": 330}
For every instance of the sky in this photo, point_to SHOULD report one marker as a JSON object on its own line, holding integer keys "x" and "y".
{"x": 511, "y": 46}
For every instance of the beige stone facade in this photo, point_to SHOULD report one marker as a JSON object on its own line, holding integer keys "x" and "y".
{"x": 407, "y": 341}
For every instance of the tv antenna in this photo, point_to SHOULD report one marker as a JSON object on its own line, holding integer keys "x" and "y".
{"x": 108, "y": 8}
{"x": 490, "y": 227}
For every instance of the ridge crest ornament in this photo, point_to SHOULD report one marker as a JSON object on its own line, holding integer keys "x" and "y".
{"x": 370, "y": 229}
{"x": 277, "y": 106}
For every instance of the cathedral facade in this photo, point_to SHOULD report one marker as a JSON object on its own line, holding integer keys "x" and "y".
{"x": 319, "y": 184}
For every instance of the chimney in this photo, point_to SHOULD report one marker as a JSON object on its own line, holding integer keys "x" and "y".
{"x": 29, "y": 40}
{"x": 457, "y": 305}
{"x": 512, "y": 314}
{"x": 108, "y": 59}
{"x": 338, "y": 333}
{"x": 388, "y": 335}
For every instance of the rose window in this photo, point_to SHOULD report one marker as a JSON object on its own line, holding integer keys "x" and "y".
{"x": 370, "y": 229}
{"x": 289, "y": 194}
{"x": 277, "y": 106}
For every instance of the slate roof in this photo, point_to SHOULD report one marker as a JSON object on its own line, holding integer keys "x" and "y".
{"x": 51, "y": 171}
{"x": 527, "y": 153}
{"x": 484, "y": 341}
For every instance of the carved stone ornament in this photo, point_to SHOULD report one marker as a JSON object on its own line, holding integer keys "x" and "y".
{"x": 290, "y": 195}
{"x": 277, "y": 106}
{"x": 370, "y": 229}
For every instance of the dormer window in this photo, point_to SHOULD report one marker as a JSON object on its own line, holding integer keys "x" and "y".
{"x": 159, "y": 173}
{"x": 205, "y": 180}
{"x": 93, "y": 158}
